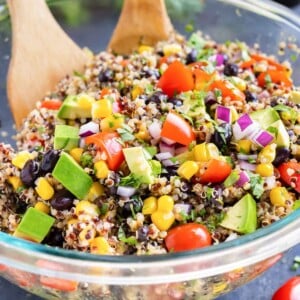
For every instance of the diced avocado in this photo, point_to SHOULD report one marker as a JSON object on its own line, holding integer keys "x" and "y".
{"x": 72, "y": 108}
{"x": 280, "y": 133}
{"x": 66, "y": 137}
{"x": 138, "y": 164}
{"x": 70, "y": 174}
{"x": 193, "y": 104}
{"x": 34, "y": 225}
{"x": 265, "y": 117}
{"x": 294, "y": 97}
{"x": 241, "y": 217}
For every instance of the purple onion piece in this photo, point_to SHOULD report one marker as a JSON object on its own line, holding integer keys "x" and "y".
{"x": 263, "y": 138}
{"x": 247, "y": 166}
{"x": 167, "y": 163}
{"x": 223, "y": 114}
{"x": 246, "y": 156}
{"x": 163, "y": 147}
{"x": 181, "y": 149}
{"x": 155, "y": 130}
{"x": 164, "y": 155}
{"x": 126, "y": 191}
{"x": 88, "y": 129}
{"x": 243, "y": 179}
{"x": 244, "y": 122}
{"x": 168, "y": 141}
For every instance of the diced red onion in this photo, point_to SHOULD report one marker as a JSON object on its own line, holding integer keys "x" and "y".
{"x": 263, "y": 95}
{"x": 155, "y": 130}
{"x": 223, "y": 114}
{"x": 168, "y": 141}
{"x": 218, "y": 58}
{"x": 116, "y": 106}
{"x": 244, "y": 126}
{"x": 163, "y": 147}
{"x": 164, "y": 155}
{"x": 126, "y": 191}
{"x": 82, "y": 143}
{"x": 263, "y": 138}
{"x": 244, "y": 122}
{"x": 246, "y": 156}
{"x": 182, "y": 207}
{"x": 88, "y": 129}
{"x": 181, "y": 149}
{"x": 167, "y": 163}
{"x": 243, "y": 179}
{"x": 247, "y": 166}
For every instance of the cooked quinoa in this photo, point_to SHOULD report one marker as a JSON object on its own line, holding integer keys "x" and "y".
{"x": 209, "y": 89}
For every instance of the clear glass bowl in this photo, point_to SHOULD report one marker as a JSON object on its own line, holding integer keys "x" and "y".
{"x": 202, "y": 274}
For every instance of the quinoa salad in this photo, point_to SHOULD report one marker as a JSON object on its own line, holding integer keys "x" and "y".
{"x": 175, "y": 147}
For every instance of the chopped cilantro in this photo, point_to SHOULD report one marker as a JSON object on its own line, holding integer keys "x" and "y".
{"x": 218, "y": 93}
{"x": 256, "y": 184}
{"x": 156, "y": 167}
{"x": 268, "y": 79}
{"x": 196, "y": 41}
{"x": 126, "y": 133}
{"x": 130, "y": 180}
{"x": 104, "y": 208}
{"x": 273, "y": 130}
{"x": 149, "y": 89}
{"x": 209, "y": 192}
{"x": 131, "y": 240}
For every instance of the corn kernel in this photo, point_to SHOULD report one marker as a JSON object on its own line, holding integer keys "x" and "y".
{"x": 267, "y": 154}
{"x": 204, "y": 152}
{"x": 265, "y": 170}
{"x": 100, "y": 245}
{"x": 171, "y": 49}
{"x": 188, "y": 169}
{"x": 149, "y": 206}
{"x": 145, "y": 48}
{"x": 244, "y": 146}
{"x": 21, "y": 158}
{"x": 162, "y": 220}
{"x": 112, "y": 123}
{"x": 143, "y": 135}
{"x": 15, "y": 181}
{"x": 85, "y": 101}
{"x": 136, "y": 91}
{"x": 234, "y": 114}
{"x": 41, "y": 206}
{"x": 279, "y": 195}
{"x": 44, "y": 188}
{"x": 101, "y": 169}
{"x": 87, "y": 208}
{"x": 212, "y": 151}
{"x": 102, "y": 109}
{"x": 76, "y": 153}
{"x": 239, "y": 83}
{"x": 95, "y": 191}
{"x": 165, "y": 203}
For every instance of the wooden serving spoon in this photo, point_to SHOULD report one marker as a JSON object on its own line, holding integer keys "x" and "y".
{"x": 42, "y": 54}
{"x": 141, "y": 22}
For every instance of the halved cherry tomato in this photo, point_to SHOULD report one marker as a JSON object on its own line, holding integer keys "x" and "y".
{"x": 278, "y": 77}
{"x": 202, "y": 79}
{"x": 213, "y": 171}
{"x": 109, "y": 144}
{"x": 105, "y": 91}
{"x": 177, "y": 129}
{"x": 290, "y": 174}
{"x": 188, "y": 237}
{"x": 248, "y": 64}
{"x": 289, "y": 290}
{"x": 52, "y": 104}
{"x": 228, "y": 90}
{"x": 176, "y": 79}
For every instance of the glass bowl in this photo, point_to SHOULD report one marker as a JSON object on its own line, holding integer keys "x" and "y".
{"x": 201, "y": 274}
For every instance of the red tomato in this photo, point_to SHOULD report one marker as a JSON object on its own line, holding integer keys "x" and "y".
{"x": 289, "y": 291}
{"x": 202, "y": 79}
{"x": 176, "y": 79}
{"x": 290, "y": 174}
{"x": 247, "y": 64}
{"x": 271, "y": 62}
{"x": 108, "y": 143}
{"x": 105, "y": 91}
{"x": 213, "y": 171}
{"x": 228, "y": 90}
{"x": 53, "y": 104}
{"x": 177, "y": 129}
{"x": 188, "y": 237}
{"x": 278, "y": 77}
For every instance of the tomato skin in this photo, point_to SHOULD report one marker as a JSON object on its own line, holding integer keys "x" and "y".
{"x": 290, "y": 290}
{"x": 215, "y": 171}
{"x": 108, "y": 143}
{"x": 285, "y": 169}
{"x": 177, "y": 129}
{"x": 52, "y": 104}
{"x": 276, "y": 76}
{"x": 202, "y": 79}
{"x": 188, "y": 237}
{"x": 176, "y": 79}
{"x": 228, "y": 90}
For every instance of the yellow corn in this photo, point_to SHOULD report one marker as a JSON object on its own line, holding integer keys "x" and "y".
{"x": 112, "y": 123}
{"x": 136, "y": 91}
{"x": 76, "y": 153}
{"x": 265, "y": 170}
{"x": 239, "y": 83}
{"x": 101, "y": 109}
{"x": 145, "y": 48}
{"x": 165, "y": 203}
{"x": 204, "y": 152}
{"x": 286, "y": 115}
{"x": 44, "y": 188}
{"x": 244, "y": 146}
{"x": 100, "y": 245}
{"x": 101, "y": 169}
{"x": 279, "y": 195}
{"x": 171, "y": 49}
{"x": 41, "y": 206}
{"x": 143, "y": 135}
{"x": 234, "y": 114}
{"x": 87, "y": 208}
{"x": 188, "y": 169}
{"x": 149, "y": 206}
{"x": 267, "y": 154}
{"x": 162, "y": 220}
{"x": 15, "y": 181}
{"x": 85, "y": 101}
{"x": 95, "y": 191}
{"x": 21, "y": 158}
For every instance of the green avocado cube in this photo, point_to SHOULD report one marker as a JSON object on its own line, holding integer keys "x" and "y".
{"x": 265, "y": 117}
{"x": 34, "y": 225}
{"x": 66, "y": 137}
{"x": 70, "y": 174}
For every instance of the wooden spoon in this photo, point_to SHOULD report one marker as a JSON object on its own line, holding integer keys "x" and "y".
{"x": 141, "y": 22}
{"x": 42, "y": 54}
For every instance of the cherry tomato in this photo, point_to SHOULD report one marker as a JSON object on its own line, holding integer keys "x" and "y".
{"x": 52, "y": 104}
{"x": 213, "y": 171}
{"x": 202, "y": 79}
{"x": 188, "y": 237}
{"x": 108, "y": 143}
{"x": 228, "y": 90}
{"x": 176, "y": 79}
{"x": 105, "y": 91}
{"x": 290, "y": 174}
{"x": 177, "y": 129}
{"x": 278, "y": 77}
{"x": 289, "y": 290}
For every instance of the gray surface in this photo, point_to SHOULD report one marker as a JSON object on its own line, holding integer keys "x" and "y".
{"x": 261, "y": 288}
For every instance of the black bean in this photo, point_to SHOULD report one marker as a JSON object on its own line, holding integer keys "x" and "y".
{"x": 30, "y": 172}
{"x": 20, "y": 207}
{"x": 250, "y": 97}
{"x": 176, "y": 101}
{"x": 282, "y": 155}
{"x": 210, "y": 99}
{"x": 157, "y": 97}
{"x": 222, "y": 136}
{"x": 191, "y": 56}
{"x": 49, "y": 161}
{"x": 142, "y": 233}
{"x": 54, "y": 238}
{"x": 150, "y": 73}
{"x": 106, "y": 75}
{"x": 171, "y": 171}
{"x": 231, "y": 70}
{"x": 62, "y": 200}
{"x": 134, "y": 205}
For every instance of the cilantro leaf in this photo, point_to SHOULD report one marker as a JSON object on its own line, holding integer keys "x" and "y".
{"x": 256, "y": 184}
{"x": 126, "y": 133}
{"x": 131, "y": 240}
{"x": 131, "y": 180}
